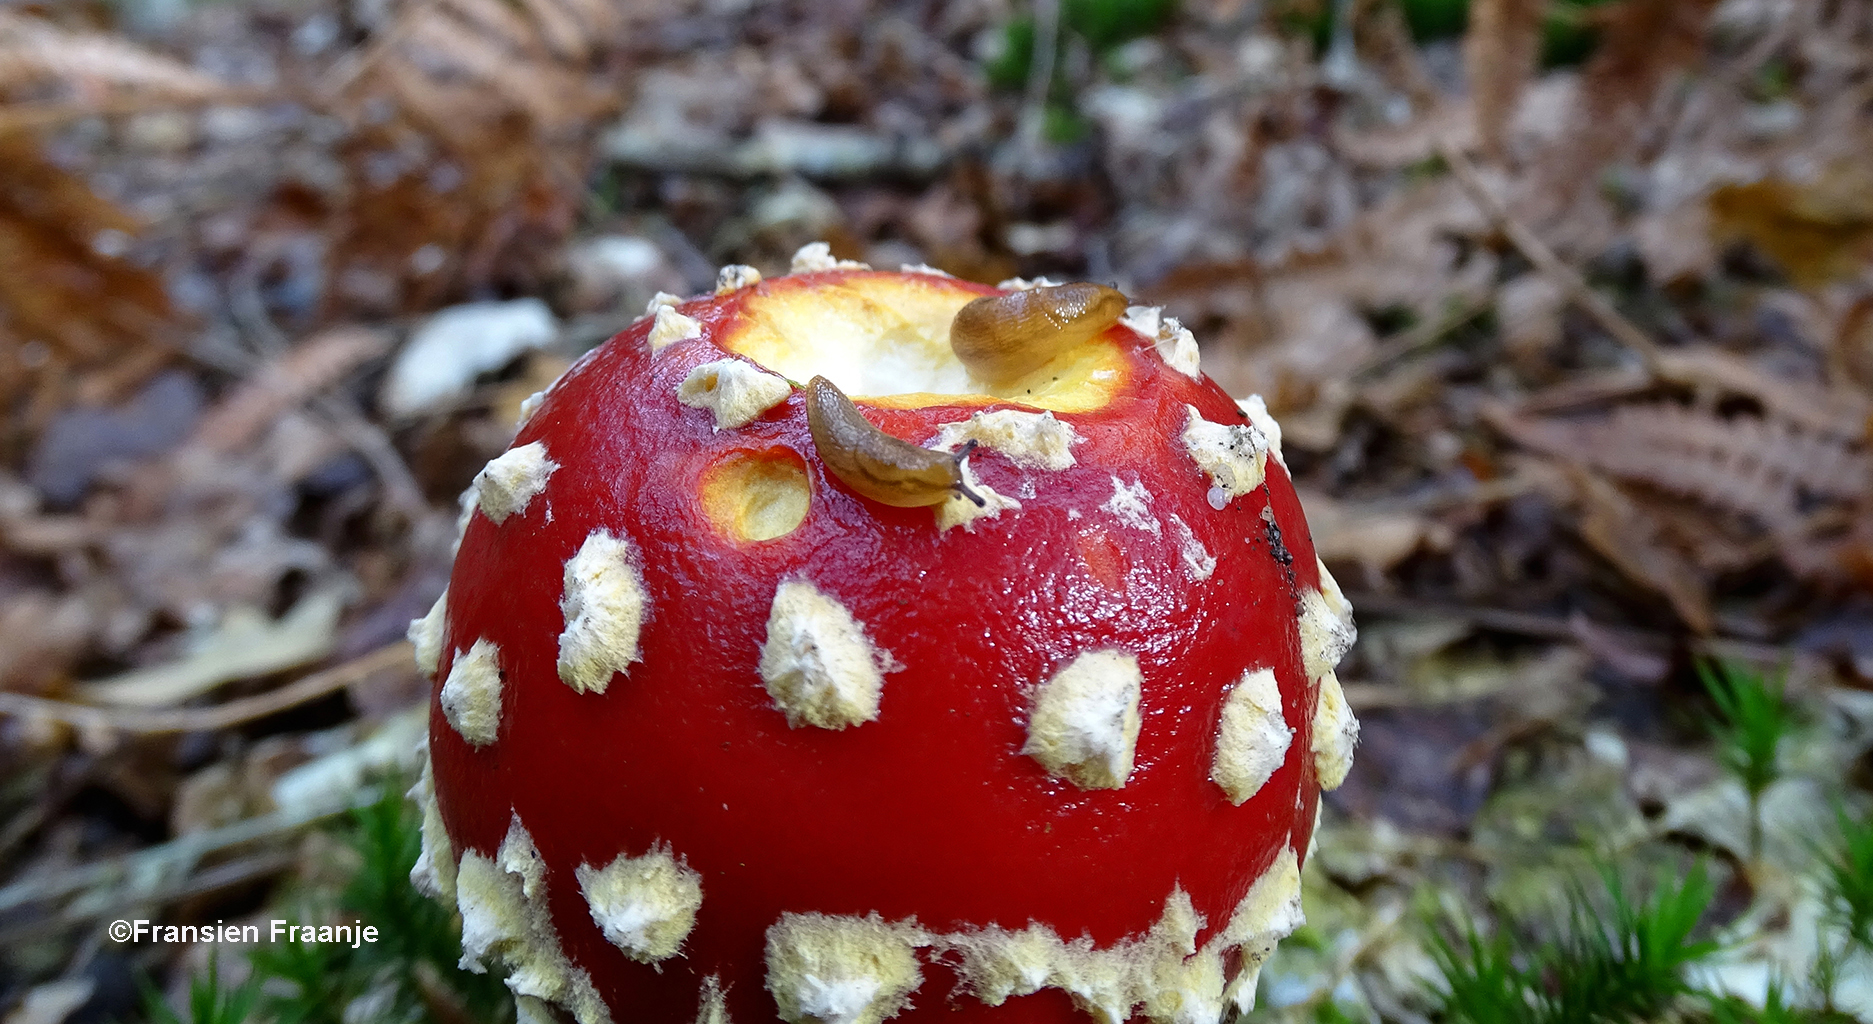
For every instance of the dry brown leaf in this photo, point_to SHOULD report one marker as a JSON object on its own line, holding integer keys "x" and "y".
{"x": 1676, "y": 244}
{"x": 1373, "y": 537}
{"x": 35, "y": 52}
{"x": 1851, "y": 348}
{"x": 245, "y": 644}
{"x": 1643, "y": 43}
{"x": 45, "y": 634}
{"x": 1759, "y": 467}
{"x": 64, "y": 306}
{"x": 1818, "y": 229}
{"x": 474, "y": 125}
{"x": 1813, "y": 407}
{"x": 1446, "y": 123}
{"x": 282, "y": 384}
{"x": 1499, "y": 53}
{"x": 1616, "y": 527}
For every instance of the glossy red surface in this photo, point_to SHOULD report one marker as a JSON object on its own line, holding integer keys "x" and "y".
{"x": 930, "y": 811}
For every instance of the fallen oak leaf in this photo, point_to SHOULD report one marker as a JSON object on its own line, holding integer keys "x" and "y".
{"x": 243, "y": 645}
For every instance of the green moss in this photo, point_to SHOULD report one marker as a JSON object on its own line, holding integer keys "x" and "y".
{"x": 408, "y": 975}
{"x": 1610, "y": 957}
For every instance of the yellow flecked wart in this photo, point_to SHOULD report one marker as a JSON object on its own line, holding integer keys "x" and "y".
{"x": 1267, "y": 914}
{"x": 1102, "y": 982}
{"x": 1327, "y": 633}
{"x": 736, "y": 392}
{"x": 505, "y": 916}
{"x": 1336, "y": 733}
{"x": 957, "y": 510}
{"x": 1253, "y": 737}
{"x": 645, "y": 905}
{"x": 425, "y": 635}
{"x": 1162, "y": 969}
{"x": 1259, "y": 417}
{"x": 998, "y": 963}
{"x": 508, "y": 484}
{"x": 1187, "y": 990}
{"x": 671, "y": 327}
{"x": 528, "y": 406}
{"x": 471, "y": 696}
{"x": 1334, "y": 597}
{"x": 823, "y": 969}
{"x": 603, "y": 606}
{"x": 1172, "y": 340}
{"x": 434, "y": 872}
{"x": 819, "y": 668}
{"x": 1233, "y": 456}
{"x": 735, "y": 277}
{"x": 1033, "y": 439}
{"x": 713, "y": 1006}
{"x": 817, "y": 256}
{"x": 1108, "y": 983}
{"x": 1084, "y": 723}
{"x": 1181, "y": 984}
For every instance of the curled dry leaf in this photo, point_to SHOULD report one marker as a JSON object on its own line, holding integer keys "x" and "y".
{"x": 1375, "y": 537}
{"x": 1818, "y": 229}
{"x": 245, "y": 644}
{"x": 1620, "y": 530}
{"x": 1835, "y": 412}
{"x": 36, "y": 52}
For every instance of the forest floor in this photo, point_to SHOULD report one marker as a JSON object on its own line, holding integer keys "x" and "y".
{"x": 1567, "y": 317}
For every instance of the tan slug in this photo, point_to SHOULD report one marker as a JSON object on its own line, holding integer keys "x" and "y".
{"x": 885, "y": 469}
{"x": 1002, "y": 338}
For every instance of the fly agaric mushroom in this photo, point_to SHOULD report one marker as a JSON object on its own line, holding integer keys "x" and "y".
{"x": 1001, "y": 690}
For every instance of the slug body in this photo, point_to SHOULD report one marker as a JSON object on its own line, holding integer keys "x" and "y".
{"x": 886, "y": 469}
{"x": 1002, "y": 338}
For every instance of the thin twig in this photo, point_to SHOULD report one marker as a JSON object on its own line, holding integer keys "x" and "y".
{"x": 376, "y": 449}
{"x": 1040, "y": 70}
{"x": 345, "y": 73}
{"x": 363, "y": 437}
{"x": 218, "y": 716}
{"x": 152, "y": 862}
{"x": 1555, "y": 627}
{"x": 23, "y": 117}
{"x": 1537, "y": 252}
{"x": 221, "y": 876}
{"x": 1423, "y": 334}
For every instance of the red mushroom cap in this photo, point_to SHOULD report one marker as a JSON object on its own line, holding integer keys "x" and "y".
{"x": 717, "y": 737}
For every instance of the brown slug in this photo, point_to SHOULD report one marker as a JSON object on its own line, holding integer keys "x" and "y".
{"x": 1002, "y": 338}
{"x": 885, "y": 469}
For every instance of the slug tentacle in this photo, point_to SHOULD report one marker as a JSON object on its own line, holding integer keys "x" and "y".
{"x": 886, "y": 469}
{"x": 1002, "y": 338}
